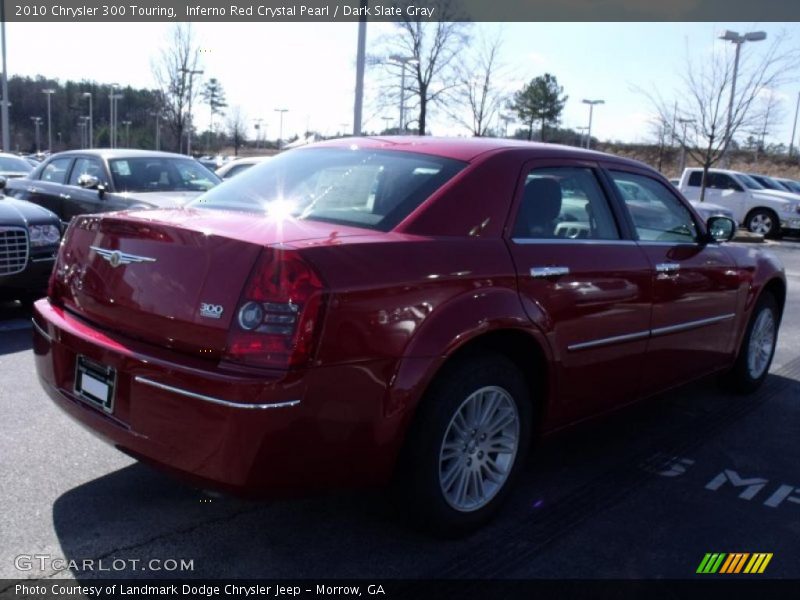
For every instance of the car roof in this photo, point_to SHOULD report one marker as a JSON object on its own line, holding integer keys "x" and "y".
{"x": 111, "y": 153}
{"x": 465, "y": 149}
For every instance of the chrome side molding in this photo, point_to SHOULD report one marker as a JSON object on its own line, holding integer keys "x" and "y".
{"x": 667, "y": 267}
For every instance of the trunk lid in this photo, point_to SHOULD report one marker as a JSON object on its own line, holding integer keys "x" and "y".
{"x": 171, "y": 277}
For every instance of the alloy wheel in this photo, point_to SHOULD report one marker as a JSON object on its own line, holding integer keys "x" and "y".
{"x": 762, "y": 343}
{"x": 479, "y": 449}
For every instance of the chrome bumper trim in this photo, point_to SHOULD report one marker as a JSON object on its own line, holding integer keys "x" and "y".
{"x": 41, "y": 331}
{"x": 211, "y": 399}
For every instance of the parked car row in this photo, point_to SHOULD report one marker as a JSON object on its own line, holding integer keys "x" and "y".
{"x": 759, "y": 203}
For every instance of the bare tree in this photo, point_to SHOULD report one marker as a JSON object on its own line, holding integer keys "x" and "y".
{"x": 478, "y": 96}
{"x": 431, "y": 51}
{"x": 173, "y": 72}
{"x": 706, "y": 92}
{"x": 237, "y": 128}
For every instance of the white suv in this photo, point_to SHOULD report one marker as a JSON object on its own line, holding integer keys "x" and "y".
{"x": 756, "y": 208}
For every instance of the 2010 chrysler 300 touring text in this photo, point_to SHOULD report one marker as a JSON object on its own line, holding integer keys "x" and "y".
{"x": 414, "y": 310}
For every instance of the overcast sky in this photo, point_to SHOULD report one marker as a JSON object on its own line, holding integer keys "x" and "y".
{"x": 309, "y": 68}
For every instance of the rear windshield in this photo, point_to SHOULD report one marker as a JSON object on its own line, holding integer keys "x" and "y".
{"x": 375, "y": 189}
{"x": 161, "y": 174}
{"x": 12, "y": 164}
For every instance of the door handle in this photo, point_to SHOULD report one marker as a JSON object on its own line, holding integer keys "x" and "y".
{"x": 667, "y": 267}
{"x": 544, "y": 272}
{"x": 65, "y": 196}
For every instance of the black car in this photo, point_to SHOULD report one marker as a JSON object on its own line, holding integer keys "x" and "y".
{"x": 29, "y": 238}
{"x": 92, "y": 181}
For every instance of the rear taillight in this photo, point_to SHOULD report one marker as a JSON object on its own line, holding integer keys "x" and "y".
{"x": 277, "y": 318}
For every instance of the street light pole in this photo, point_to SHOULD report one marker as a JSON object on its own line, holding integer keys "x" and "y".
{"x": 49, "y": 92}
{"x": 360, "y": 61}
{"x": 794, "y": 126}
{"x": 403, "y": 61}
{"x": 191, "y": 73}
{"x": 591, "y": 104}
{"x": 684, "y": 122}
{"x": 91, "y": 119}
{"x": 738, "y": 40}
{"x": 36, "y": 122}
{"x": 4, "y": 106}
{"x": 280, "y": 131}
{"x": 127, "y": 133}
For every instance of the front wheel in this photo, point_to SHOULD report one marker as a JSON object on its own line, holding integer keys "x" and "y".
{"x": 466, "y": 447}
{"x": 765, "y": 222}
{"x": 757, "y": 349}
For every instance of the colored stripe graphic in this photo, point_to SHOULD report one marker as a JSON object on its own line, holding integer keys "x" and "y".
{"x": 734, "y": 563}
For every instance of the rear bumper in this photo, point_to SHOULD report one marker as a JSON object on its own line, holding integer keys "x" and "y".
{"x": 243, "y": 433}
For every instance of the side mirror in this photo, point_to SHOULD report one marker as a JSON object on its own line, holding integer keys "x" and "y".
{"x": 720, "y": 229}
{"x": 88, "y": 182}
{"x": 2, "y": 182}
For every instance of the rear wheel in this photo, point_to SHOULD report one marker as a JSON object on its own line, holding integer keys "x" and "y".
{"x": 757, "y": 349}
{"x": 765, "y": 222}
{"x": 466, "y": 447}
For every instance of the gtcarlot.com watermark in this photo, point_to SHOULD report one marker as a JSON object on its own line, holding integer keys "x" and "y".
{"x": 48, "y": 562}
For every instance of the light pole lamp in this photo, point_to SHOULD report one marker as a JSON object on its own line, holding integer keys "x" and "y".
{"x": 90, "y": 133}
{"x": 591, "y": 104}
{"x": 83, "y": 127}
{"x": 580, "y": 131}
{"x": 280, "y": 131}
{"x": 403, "y": 61}
{"x": 49, "y": 92}
{"x": 386, "y": 121}
{"x": 736, "y": 39}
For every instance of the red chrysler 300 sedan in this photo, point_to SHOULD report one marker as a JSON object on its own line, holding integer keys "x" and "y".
{"x": 407, "y": 309}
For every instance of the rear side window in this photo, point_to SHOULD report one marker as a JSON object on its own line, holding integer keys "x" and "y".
{"x": 657, "y": 214}
{"x": 564, "y": 202}
{"x": 366, "y": 188}
{"x": 696, "y": 178}
{"x": 56, "y": 170}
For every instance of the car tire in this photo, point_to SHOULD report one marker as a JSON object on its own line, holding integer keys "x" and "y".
{"x": 449, "y": 481}
{"x": 765, "y": 222}
{"x": 757, "y": 349}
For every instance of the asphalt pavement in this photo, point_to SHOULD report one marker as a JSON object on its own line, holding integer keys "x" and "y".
{"x": 644, "y": 493}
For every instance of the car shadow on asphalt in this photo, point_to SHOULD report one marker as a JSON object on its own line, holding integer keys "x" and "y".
{"x": 139, "y": 514}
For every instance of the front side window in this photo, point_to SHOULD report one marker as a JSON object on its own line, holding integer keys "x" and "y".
{"x": 56, "y": 170}
{"x": 159, "y": 174}
{"x": 749, "y": 183}
{"x": 657, "y": 214}
{"x": 87, "y": 166}
{"x": 366, "y": 188}
{"x": 564, "y": 202}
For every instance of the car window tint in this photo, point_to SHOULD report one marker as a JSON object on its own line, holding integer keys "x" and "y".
{"x": 696, "y": 178}
{"x": 86, "y": 166}
{"x": 56, "y": 170}
{"x": 657, "y": 214}
{"x": 236, "y": 169}
{"x": 564, "y": 202}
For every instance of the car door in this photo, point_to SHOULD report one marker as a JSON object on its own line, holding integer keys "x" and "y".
{"x": 80, "y": 200}
{"x": 49, "y": 189}
{"x": 583, "y": 283}
{"x": 694, "y": 285}
{"x": 728, "y": 192}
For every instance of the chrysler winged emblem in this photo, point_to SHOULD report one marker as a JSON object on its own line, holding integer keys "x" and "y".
{"x": 116, "y": 258}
